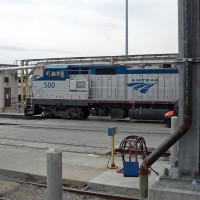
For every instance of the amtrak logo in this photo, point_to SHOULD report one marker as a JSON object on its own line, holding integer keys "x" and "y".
{"x": 141, "y": 87}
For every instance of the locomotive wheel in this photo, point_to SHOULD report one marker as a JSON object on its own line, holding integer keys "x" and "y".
{"x": 26, "y": 113}
{"x": 86, "y": 113}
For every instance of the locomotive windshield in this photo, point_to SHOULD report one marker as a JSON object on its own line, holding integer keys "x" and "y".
{"x": 54, "y": 73}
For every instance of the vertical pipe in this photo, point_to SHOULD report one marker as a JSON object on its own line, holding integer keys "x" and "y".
{"x": 174, "y": 148}
{"x": 113, "y": 151}
{"x": 111, "y": 60}
{"x": 126, "y": 28}
{"x": 22, "y": 85}
{"x": 27, "y": 92}
{"x": 54, "y": 175}
{"x": 143, "y": 184}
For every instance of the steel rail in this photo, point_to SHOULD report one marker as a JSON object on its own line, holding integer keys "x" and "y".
{"x": 117, "y": 150}
{"x": 46, "y": 148}
{"x": 59, "y": 143}
{"x": 77, "y": 191}
{"x": 79, "y": 128}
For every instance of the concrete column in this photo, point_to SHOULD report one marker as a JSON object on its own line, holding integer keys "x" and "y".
{"x": 189, "y": 145}
{"x": 54, "y": 175}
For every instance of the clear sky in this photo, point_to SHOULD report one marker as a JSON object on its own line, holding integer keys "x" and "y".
{"x": 68, "y": 28}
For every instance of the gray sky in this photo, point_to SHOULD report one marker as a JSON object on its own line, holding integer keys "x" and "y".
{"x": 66, "y": 28}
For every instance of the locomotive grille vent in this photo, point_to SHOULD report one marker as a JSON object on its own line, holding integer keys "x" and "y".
{"x": 81, "y": 84}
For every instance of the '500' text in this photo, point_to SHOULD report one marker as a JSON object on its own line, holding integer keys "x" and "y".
{"x": 49, "y": 85}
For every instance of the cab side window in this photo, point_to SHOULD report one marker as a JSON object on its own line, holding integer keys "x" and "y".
{"x": 47, "y": 72}
{"x": 54, "y": 74}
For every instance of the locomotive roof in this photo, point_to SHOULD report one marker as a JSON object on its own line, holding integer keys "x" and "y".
{"x": 120, "y": 69}
{"x": 64, "y": 66}
{"x": 58, "y": 66}
{"x": 152, "y": 70}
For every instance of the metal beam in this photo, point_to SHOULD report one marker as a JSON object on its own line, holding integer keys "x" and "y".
{"x": 130, "y": 59}
{"x": 17, "y": 68}
{"x": 150, "y": 59}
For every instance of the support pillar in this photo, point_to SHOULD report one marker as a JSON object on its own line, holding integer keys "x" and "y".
{"x": 189, "y": 145}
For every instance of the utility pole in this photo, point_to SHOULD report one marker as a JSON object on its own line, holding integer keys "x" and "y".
{"x": 126, "y": 28}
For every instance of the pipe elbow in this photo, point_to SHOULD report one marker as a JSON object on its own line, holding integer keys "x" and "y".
{"x": 144, "y": 168}
{"x": 185, "y": 126}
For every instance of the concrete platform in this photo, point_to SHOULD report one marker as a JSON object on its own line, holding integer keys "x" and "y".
{"x": 84, "y": 169}
{"x": 78, "y": 170}
{"x": 111, "y": 180}
{"x": 173, "y": 190}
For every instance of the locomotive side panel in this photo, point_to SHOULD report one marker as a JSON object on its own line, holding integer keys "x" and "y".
{"x": 153, "y": 90}
{"x": 109, "y": 87}
{"x": 168, "y": 87}
{"x": 152, "y": 86}
{"x": 78, "y": 87}
{"x": 114, "y": 87}
{"x": 173, "y": 86}
{"x": 104, "y": 86}
{"x": 161, "y": 87}
{"x": 121, "y": 86}
{"x": 49, "y": 89}
{"x": 96, "y": 87}
{"x": 142, "y": 86}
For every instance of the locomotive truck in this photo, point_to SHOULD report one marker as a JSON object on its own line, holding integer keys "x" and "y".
{"x": 77, "y": 91}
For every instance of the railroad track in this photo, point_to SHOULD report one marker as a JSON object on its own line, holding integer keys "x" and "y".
{"x": 62, "y": 125}
{"x": 80, "y": 191}
{"x": 69, "y": 147}
{"x": 94, "y": 118}
{"x": 19, "y": 116}
{"x": 66, "y": 147}
{"x": 81, "y": 128}
{"x": 45, "y": 145}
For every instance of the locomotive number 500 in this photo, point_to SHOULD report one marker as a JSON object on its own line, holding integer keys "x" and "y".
{"x": 49, "y": 85}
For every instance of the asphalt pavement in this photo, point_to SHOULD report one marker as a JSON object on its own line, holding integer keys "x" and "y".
{"x": 78, "y": 168}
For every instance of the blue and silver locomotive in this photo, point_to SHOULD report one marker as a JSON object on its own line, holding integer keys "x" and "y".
{"x": 76, "y": 91}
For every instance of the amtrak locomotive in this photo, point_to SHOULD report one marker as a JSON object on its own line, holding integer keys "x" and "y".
{"x": 76, "y": 91}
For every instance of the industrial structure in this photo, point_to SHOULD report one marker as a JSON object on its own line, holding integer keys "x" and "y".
{"x": 8, "y": 88}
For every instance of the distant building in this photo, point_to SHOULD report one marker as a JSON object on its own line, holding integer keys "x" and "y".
{"x": 8, "y": 87}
